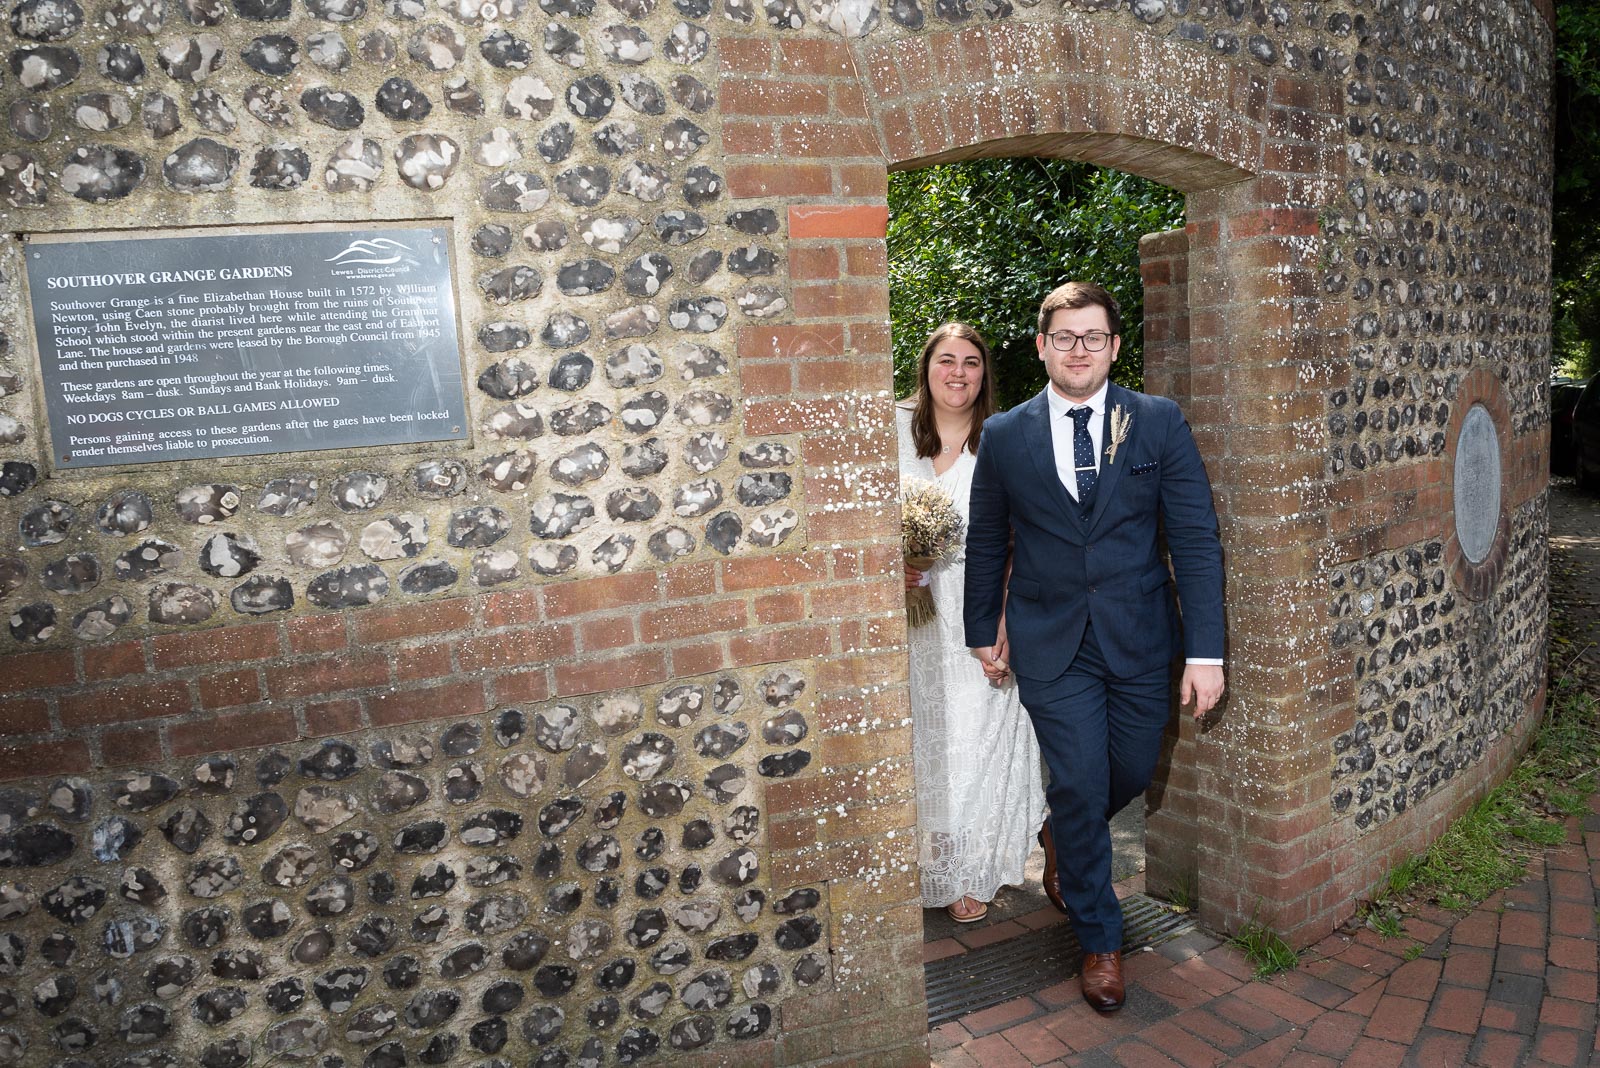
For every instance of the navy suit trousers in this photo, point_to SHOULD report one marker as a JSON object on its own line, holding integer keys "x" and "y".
{"x": 1101, "y": 738}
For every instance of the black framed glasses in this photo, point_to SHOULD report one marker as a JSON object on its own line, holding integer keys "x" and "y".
{"x": 1091, "y": 340}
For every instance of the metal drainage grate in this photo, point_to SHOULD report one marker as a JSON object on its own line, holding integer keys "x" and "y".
{"x": 1019, "y": 966}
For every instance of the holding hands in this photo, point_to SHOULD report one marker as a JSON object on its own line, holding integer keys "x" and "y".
{"x": 996, "y": 659}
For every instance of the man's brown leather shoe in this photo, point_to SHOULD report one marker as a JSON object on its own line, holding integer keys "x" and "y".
{"x": 1102, "y": 981}
{"x": 1052, "y": 889}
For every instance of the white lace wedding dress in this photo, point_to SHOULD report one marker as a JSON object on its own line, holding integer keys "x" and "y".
{"x": 980, "y": 798}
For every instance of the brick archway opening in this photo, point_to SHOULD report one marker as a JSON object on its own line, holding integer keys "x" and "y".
{"x": 1235, "y": 323}
{"x": 924, "y": 197}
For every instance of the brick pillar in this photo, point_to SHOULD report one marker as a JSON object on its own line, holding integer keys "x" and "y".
{"x": 1164, "y": 270}
{"x": 799, "y": 141}
{"x": 1256, "y": 327}
{"x": 1171, "y": 858}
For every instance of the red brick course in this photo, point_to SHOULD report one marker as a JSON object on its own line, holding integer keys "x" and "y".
{"x": 63, "y": 757}
{"x": 449, "y": 701}
{"x": 829, "y": 221}
{"x": 225, "y": 733}
{"x": 121, "y": 704}
{"x": 24, "y": 715}
{"x": 273, "y": 682}
{"x": 133, "y": 745}
{"x": 112, "y": 661}
{"x": 36, "y": 671}
{"x": 252, "y": 641}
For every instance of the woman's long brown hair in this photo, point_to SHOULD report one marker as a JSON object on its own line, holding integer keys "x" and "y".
{"x": 923, "y": 431}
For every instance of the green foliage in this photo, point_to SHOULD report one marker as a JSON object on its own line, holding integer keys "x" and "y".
{"x": 1575, "y": 229}
{"x": 1404, "y": 875}
{"x": 1265, "y": 949}
{"x": 1386, "y": 918}
{"x": 1386, "y": 922}
{"x": 984, "y": 241}
{"x": 1182, "y": 896}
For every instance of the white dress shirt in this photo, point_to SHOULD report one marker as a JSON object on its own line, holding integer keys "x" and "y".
{"x": 1061, "y": 428}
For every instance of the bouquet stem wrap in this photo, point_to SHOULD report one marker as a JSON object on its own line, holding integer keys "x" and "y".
{"x": 919, "y": 599}
{"x": 931, "y": 529}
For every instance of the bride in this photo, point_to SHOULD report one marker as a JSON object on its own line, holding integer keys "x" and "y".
{"x": 980, "y": 799}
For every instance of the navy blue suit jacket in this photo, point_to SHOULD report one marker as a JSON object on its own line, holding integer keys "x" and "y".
{"x": 1069, "y": 569}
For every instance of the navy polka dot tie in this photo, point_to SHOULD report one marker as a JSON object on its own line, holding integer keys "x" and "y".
{"x": 1083, "y": 453}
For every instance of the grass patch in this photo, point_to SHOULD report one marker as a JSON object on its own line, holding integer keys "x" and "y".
{"x": 1267, "y": 953}
{"x": 1181, "y": 896}
{"x": 1384, "y": 920}
{"x": 1487, "y": 848}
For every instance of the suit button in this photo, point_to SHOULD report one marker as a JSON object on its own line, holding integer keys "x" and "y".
{"x": 1094, "y": 589}
{"x": 1088, "y": 548}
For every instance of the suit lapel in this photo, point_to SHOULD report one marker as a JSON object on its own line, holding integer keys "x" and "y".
{"x": 1111, "y": 473}
{"x": 1036, "y": 433}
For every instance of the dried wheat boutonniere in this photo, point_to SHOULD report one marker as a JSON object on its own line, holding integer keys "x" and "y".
{"x": 1120, "y": 422}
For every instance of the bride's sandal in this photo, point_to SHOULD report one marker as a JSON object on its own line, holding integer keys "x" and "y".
{"x": 967, "y": 910}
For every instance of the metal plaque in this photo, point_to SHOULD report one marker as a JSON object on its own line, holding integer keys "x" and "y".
{"x": 1477, "y": 484}
{"x": 246, "y": 341}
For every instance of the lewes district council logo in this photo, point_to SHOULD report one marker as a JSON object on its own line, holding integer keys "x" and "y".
{"x": 373, "y": 258}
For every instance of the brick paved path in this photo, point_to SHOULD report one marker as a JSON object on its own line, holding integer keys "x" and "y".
{"x": 1512, "y": 983}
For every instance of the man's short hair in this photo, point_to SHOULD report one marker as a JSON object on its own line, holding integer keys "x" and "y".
{"x": 1074, "y": 295}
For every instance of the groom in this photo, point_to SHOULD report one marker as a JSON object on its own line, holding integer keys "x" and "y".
{"x": 1080, "y": 482}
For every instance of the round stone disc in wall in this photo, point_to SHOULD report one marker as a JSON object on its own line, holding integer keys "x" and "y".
{"x": 1477, "y": 484}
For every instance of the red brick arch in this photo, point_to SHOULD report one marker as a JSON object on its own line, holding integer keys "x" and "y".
{"x": 1242, "y": 815}
{"x": 1090, "y": 91}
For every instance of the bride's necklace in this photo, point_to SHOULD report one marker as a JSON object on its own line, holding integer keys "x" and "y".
{"x": 946, "y": 449}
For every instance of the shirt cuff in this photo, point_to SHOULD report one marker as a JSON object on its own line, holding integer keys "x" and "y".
{"x": 1203, "y": 660}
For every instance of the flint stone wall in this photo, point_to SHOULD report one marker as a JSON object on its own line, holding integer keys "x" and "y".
{"x": 668, "y": 222}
